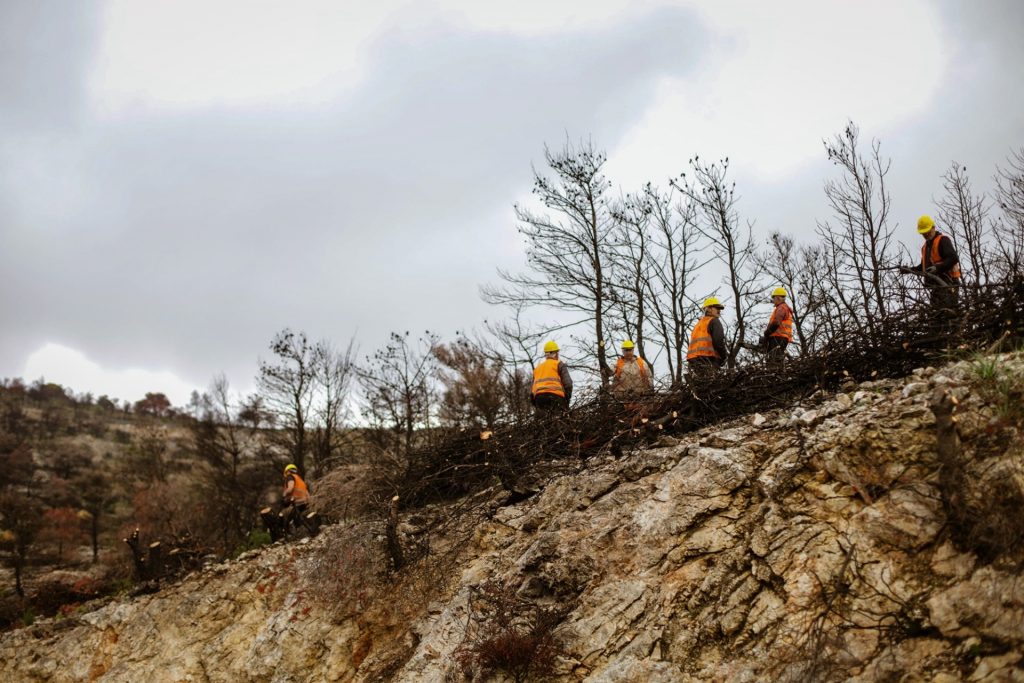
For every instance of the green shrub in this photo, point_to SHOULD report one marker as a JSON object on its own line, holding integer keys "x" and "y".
{"x": 1000, "y": 386}
{"x": 986, "y": 368}
{"x": 257, "y": 538}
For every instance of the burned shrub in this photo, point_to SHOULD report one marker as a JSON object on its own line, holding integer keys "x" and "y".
{"x": 510, "y": 634}
{"x": 982, "y": 501}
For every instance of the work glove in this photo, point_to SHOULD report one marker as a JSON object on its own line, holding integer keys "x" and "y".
{"x": 932, "y": 270}
{"x": 907, "y": 270}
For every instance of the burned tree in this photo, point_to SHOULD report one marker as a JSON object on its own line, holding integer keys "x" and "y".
{"x": 333, "y": 372}
{"x": 97, "y": 498}
{"x": 1009, "y": 229}
{"x": 237, "y": 479}
{"x": 568, "y": 246}
{"x": 632, "y": 260}
{"x": 858, "y": 242}
{"x": 398, "y": 391}
{"x": 287, "y": 389}
{"x": 965, "y": 214}
{"x": 732, "y": 243}
{"x": 675, "y": 258}
{"x": 475, "y": 391}
{"x": 21, "y": 518}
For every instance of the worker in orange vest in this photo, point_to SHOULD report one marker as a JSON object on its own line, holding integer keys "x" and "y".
{"x": 779, "y": 333}
{"x": 632, "y": 373}
{"x": 552, "y": 385}
{"x": 707, "y": 351}
{"x": 295, "y": 498}
{"x": 940, "y": 264}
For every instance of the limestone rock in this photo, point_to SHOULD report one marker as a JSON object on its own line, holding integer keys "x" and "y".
{"x": 914, "y": 388}
{"x": 990, "y": 604}
{"x": 805, "y": 545}
{"x": 907, "y": 518}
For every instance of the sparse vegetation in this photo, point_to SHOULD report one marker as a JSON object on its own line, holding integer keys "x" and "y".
{"x": 984, "y": 496}
{"x": 509, "y": 634}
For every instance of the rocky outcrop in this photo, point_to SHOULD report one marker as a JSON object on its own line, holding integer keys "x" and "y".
{"x": 808, "y": 544}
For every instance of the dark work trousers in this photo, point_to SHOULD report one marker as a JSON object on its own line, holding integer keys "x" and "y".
{"x": 775, "y": 352}
{"x": 295, "y": 514}
{"x": 550, "y": 403}
{"x": 945, "y": 302}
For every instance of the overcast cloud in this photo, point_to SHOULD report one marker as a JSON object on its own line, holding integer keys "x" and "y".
{"x": 176, "y": 186}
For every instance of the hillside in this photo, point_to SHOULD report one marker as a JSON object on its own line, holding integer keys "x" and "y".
{"x": 866, "y": 535}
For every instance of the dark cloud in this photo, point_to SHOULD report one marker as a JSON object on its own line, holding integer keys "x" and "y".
{"x": 973, "y": 121}
{"x": 184, "y": 240}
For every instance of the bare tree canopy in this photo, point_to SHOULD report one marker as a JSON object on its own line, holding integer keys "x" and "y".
{"x": 569, "y": 246}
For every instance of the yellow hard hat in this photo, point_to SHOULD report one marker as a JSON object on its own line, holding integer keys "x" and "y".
{"x": 712, "y": 301}
{"x": 550, "y": 346}
{"x": 779, "y": 291}
{"x": 627, "y": 344}
{"x": 290, "y": 468}
{"x": 925, "y": 224}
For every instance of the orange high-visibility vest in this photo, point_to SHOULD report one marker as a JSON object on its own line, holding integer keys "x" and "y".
{"x": 701, "y": 345}
{"x": 783, "y": 315}
{"x": 639, "y": 363}
{"x": 300, "y": 494}
{"x": 546, "y": 379}
{"x": 954, "y": 272}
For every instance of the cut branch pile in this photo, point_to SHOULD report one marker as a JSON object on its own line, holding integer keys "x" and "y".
{"x": 465, "y": 461}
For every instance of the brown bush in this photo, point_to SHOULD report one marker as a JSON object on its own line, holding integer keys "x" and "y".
{"x": 352, "y": 492}
{"x": 983, "y": 498}
{"x": 985, "y": 517}
{"x": 13, "y": 610}
{"x": 510, "y": 634}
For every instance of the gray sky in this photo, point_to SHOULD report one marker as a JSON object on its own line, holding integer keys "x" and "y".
{"x": 179, "y": 180}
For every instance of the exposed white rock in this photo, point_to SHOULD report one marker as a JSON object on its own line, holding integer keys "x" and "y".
{"x": 914, "y": 388}
{"x": 949, "y": 563}
{"x": 907, "y": 518}
{"x": 807, "y": 544}
{"x": 990, "y": 604}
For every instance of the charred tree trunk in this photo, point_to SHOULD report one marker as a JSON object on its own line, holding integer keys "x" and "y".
{"x": 393, "y": 543}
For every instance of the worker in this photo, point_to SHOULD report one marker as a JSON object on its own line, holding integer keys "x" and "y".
{"x": 707, "y": 351}
{"x": 940, "y": 266}
{"x": 295, "y": 499}
{"x": 632, "y": 373}
{"x": 552, "y": 385}
{"x": 779, "y": 333}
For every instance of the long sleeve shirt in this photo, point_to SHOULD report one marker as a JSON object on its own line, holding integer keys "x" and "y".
{"x": 563, "y": 375}
{"x": 717, "y": 331}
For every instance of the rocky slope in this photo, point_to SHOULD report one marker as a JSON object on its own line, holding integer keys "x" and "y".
{"x": 814, "y": 543}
